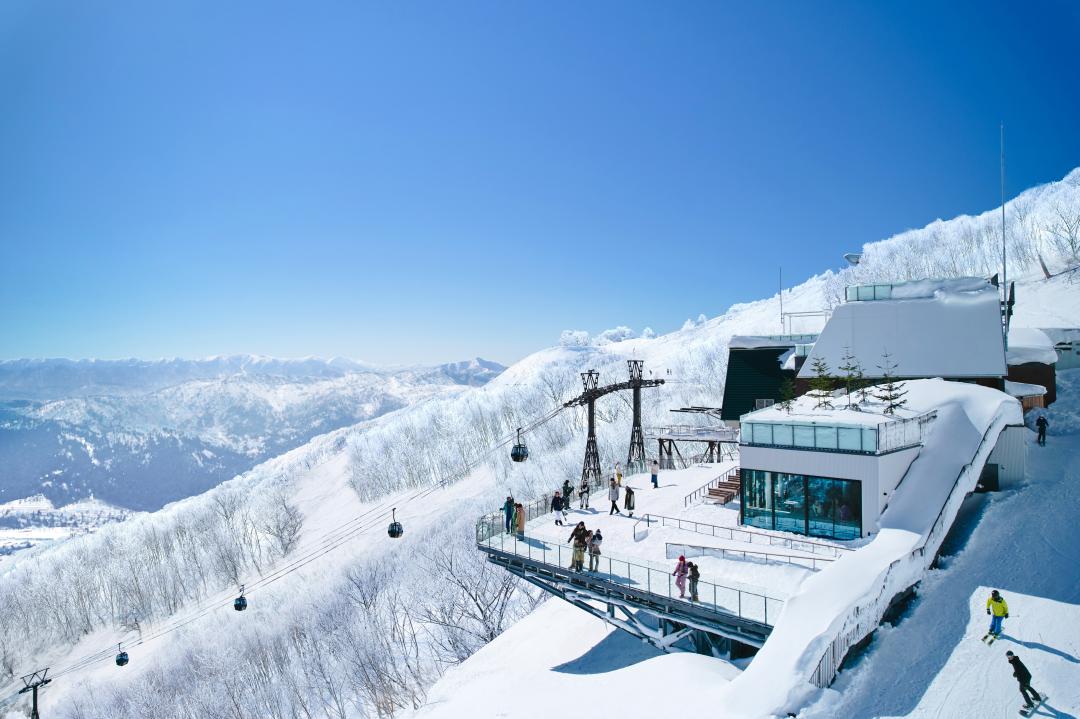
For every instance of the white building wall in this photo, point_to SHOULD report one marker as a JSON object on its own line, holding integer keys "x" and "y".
{"x": 1010, "y": 454}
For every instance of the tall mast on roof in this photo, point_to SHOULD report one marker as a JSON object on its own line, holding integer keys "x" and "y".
{"x": 1004, "y": 259}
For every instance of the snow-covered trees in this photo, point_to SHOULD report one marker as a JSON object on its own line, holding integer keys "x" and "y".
{"x": 852, "y": 376}
{"x": 821, "y": 384}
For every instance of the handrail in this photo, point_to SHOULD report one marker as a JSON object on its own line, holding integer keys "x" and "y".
{"x": 743, "y": 535}
{"x": 752, "y": 605}
{"x": 673, "y": 550}
{"x": 703, "y": 489}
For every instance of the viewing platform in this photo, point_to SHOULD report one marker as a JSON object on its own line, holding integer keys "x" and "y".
{"x": 746, "y": 575}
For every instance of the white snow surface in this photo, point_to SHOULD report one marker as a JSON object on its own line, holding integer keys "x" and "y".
{"x": 1027, "y": 344}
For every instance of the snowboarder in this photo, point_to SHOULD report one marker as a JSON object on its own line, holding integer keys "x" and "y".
{"x": 594, "y": 550}
{"x": 628, "y": 501}
{"x": 557, "y": 508}
{"x": 613, "y": 495}
{"x": 583, "y": 494}
{"x": 508, "y": 510}
{"x": 680, "y": 576}
{"x": 1024, "y": 677}
{"x": 567, "y": 493}
{"x": 695, "y": 575}
{"x": 655, "y": 467}
{"x": 998, "y": 609}
{"x": 519, "y": 519}
{"x": 618, "y": 474}
{"x": 1041, "y": 424}
{"x": 580, "y": 540}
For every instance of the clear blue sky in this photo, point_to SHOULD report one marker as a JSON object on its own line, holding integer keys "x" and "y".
{"x": 404, "y": 181}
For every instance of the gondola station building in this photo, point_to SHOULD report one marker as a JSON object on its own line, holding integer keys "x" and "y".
{"x": 827, "y": 464}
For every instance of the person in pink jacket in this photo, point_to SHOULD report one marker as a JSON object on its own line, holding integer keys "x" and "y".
{"x": 680, "y": 573}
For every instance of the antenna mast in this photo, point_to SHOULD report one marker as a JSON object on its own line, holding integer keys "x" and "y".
{"x": 1004, "y": 259}
{"x": 781, "y": 299}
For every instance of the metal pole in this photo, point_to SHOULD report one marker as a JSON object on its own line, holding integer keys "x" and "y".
{"x": 1004, "y": 259}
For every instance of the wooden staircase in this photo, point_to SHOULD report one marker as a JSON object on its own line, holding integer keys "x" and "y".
{"x": 726, "y": 489}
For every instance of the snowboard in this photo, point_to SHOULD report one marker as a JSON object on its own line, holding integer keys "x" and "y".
{"x": 1025, "y": 712}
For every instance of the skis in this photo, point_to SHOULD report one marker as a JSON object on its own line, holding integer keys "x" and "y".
{"x": 1025, "y": 712}
{"x": 989, "y": 638}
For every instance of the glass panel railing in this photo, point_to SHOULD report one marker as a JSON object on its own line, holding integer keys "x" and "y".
{"x": 884, "y": 437}
{"x": 638, "y": 575}
{"x": 804, "y": 435}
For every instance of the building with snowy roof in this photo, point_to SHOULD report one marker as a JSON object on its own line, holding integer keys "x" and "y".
{"x": 1032, "y": 375}
{"x": 757, "y": 368}
{"x": 930, "y": 328}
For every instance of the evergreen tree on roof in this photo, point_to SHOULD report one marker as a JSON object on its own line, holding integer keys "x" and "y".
{"x": 852, "y": 376}
{"x": 787, "y": 393}
{"x": 821, "y": 384}
{"x": 890, "y": 391}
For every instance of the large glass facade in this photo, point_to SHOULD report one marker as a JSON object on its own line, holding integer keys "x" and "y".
{"x": 817, "y": 506}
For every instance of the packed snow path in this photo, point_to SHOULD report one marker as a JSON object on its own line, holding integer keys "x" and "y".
{"x": 1026, "y": 543}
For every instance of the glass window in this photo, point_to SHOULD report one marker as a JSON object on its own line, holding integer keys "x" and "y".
{"x": 834, "y": 508}
{"x": 781, "y": 434}
{"x": 869, "y": 439}
{"x": 762, "y": 433}
{"x": 757, "y": 498}
{"x": 789, "y": 500}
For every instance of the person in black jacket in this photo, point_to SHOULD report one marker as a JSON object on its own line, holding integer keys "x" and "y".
{"x": 557, "y": 508}
{"x": 1024, "y": 677}
{"x": 1041, "y": 424}
{"x": 508, "y": 513}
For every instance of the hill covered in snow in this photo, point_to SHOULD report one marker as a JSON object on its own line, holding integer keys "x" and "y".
{"x": 305, "y": 532}
{"x": 140, "y": 434}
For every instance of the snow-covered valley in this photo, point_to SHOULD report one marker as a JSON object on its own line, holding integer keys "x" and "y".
{"x": 345, "y": 623}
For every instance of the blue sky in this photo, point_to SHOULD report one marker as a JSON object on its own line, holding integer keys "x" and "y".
{"x": 405, "y": 182}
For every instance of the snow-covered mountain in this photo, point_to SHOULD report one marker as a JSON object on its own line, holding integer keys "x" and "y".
{"x": 141, "y": 434}
{"x": 347, "y": 623}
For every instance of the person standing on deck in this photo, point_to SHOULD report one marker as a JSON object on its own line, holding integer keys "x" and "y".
{"x": 1041, "y": 424}
{"x": 567, "y": 493}
{"x": 557, "y": 508}
{"x": 618, "y": 474}
{"x": 628, "y": 502}
{"x": 695, "y": 575}
{"x": 594, "y": 550}
{"x": 1023, "y": 675}
{"x": 580, "y": 540}
{"x": 613, "y": 495}
{"x": 583, "y": 494}
{"x": 508, "y": 511}
{"x": 519, "y": 518}
{"x": 998, "y": 609}
{"x": 655, "y": 474}
{"x": 680, "y": 576}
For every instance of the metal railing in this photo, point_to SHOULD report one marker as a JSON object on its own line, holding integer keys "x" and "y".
{"x": 742, "y": 535}
{"x": 692, "y": 550}
{"x": 703, "y": 490}
{"x": 750, "y": 604}
{"x": 495, "y": 522}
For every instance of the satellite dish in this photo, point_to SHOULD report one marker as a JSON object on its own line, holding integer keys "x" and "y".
{"x": 853, "y": 257}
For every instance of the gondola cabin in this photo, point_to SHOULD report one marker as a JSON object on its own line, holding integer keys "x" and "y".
{"x": 395, "y": 530}
{"x": 240, "y": 603}
{"x": 519, "y": 452}
{"x": 121, "y": 658}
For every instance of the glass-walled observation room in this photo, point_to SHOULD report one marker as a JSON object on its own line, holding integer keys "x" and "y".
{"x": 816, "y": 506}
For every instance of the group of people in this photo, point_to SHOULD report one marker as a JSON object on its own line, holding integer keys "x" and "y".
{"x": 998, "y": 609}
{"x": 582, "y": 540}
{"x": 687, "y": 570}
{"x": 562, "y": 500}
{"x": 514, "y": 517}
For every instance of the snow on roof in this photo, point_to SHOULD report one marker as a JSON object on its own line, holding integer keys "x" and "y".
{"x": 1027, "y": 344}
{"x": 1023, "y": 389}
{"x": 952, "y": 334}
{"x": 803, "y": 411}
{"x": 750, "y": 342}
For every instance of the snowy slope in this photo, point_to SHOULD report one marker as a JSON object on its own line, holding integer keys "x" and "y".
{"x": 185, "y": 562}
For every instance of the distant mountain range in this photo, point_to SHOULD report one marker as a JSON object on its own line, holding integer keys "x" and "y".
{"x": 139, "y": 434}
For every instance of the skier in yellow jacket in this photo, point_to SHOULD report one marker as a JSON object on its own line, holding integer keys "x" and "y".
{"x": 998, "y": 610}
